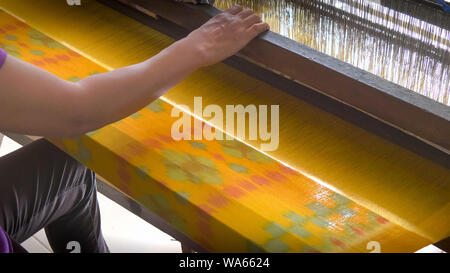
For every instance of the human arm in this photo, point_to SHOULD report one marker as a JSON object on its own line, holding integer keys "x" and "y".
{"x": 33, "y": 101}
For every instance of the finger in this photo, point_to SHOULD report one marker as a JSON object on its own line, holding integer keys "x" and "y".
{"x": 258, "y": 28}
{"x": 245, "y": 13}
{"x": 251, "y": 20}
{"x": 234, "y": 9}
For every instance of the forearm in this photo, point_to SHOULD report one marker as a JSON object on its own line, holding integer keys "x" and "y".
{"x": 33, "y": 101}
{"x": 111, "y": 96}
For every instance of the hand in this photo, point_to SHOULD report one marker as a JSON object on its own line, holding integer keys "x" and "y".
{"x": 225, "y": 34}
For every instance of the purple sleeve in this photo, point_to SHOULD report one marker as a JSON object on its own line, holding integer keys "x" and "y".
{"x": 5, "y": 243}
{"x": 2, "y": 57}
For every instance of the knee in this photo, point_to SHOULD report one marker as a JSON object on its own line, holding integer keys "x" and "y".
{"x": 84, "y": 174}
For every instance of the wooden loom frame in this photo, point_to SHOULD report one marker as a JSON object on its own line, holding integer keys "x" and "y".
{"x": 285, "y": 85}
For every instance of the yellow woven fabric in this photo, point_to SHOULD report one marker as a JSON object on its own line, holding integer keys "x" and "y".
{"x": 226, "y": 195}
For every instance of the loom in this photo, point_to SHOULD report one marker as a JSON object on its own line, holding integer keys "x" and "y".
{"x": 363, "y": 90}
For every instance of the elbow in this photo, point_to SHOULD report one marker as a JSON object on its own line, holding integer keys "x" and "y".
{"x": 79, "y": 120}
{"x": 77, "y": 126}
{"x": 78, "y": 116}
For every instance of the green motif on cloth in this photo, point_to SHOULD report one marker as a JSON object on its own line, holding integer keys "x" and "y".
{"x": 192, "y": 168}
{"x": 39, "y": 39}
